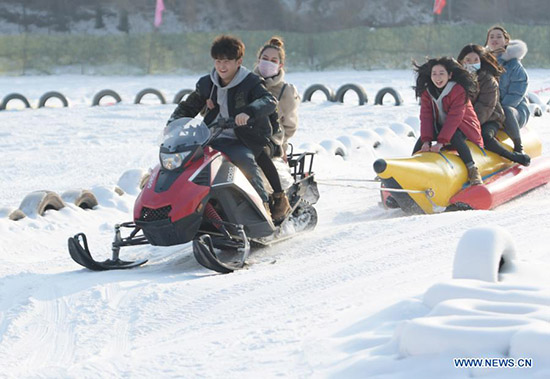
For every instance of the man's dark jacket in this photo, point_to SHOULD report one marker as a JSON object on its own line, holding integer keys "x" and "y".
{"x": 250, "y": 97}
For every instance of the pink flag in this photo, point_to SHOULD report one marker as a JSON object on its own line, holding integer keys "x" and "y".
{"x": 439, "y": 5}
{"x": 158, "y": 13}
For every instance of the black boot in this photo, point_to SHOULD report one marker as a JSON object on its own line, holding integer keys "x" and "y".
{"x": 522, "y": 159}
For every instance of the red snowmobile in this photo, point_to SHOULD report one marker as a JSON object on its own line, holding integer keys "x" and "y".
{"x": 197, "y": 194}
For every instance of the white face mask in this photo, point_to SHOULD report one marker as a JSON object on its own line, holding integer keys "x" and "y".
{"x": 268, "y": 69}
{"x": 472, "y": 67}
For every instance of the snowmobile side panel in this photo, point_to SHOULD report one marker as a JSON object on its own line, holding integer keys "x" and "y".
{"x": 239, "y": 209}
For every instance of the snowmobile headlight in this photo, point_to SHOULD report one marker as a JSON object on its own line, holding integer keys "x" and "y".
{"x": 172, "y": 161}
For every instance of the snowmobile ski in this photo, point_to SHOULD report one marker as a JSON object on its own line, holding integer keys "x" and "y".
{"x": 203, "y": 250}
{"x": 82, "y": 256}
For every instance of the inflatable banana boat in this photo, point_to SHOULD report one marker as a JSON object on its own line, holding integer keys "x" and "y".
{"x": 435, "y": 182}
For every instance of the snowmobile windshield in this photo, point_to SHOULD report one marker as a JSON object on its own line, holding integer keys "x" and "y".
{"x": 185, "y": 132}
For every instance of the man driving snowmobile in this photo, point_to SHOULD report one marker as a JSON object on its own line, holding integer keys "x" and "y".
{"x": 232, "y": 91}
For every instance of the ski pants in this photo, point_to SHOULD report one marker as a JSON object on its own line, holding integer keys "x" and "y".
{"x": 244, "y": 159}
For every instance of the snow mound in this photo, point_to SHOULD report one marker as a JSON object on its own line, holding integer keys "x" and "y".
{"x": 454, "y": 319}
{"x": 402, "y": 129}
{"x": 480, "y": 253}
{"x": 131, "y": 180}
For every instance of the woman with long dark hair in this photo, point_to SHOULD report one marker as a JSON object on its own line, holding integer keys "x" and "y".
{"x": 485, "y": 68}
{"x": 446, "y": 113}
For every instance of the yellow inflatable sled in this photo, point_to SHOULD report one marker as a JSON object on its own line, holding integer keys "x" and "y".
{"x": 435, "y": 182}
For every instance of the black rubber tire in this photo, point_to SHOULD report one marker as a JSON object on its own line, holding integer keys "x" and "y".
{"x": 14, "y": 96}
{"x": 105, "y": 92}
{"x": 329, "y": 92}
{"x": 151, "y": 91}
{"x": 359, "y": 90}
{"x": 48, "y": 95}
{"x": 179, "y": 96}
{"x": 379, "y": 99}
{"x": 81, "y": 198}
{"x": 38, "y": 202}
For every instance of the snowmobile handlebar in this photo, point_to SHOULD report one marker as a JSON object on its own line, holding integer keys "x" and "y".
{"x": 229, "y": 123}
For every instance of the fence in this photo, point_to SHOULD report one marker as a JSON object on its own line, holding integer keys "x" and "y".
{"x": 157, "y": 53}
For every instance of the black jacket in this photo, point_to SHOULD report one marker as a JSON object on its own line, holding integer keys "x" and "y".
{"x": 250, "y": 96}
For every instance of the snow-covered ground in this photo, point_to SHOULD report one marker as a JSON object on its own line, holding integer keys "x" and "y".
{"x": 368, "y": 293}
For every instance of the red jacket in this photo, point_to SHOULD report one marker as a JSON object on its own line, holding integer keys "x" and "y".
{"x": 460, "y": 114}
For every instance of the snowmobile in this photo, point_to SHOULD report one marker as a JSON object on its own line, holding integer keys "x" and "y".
{"x": 197, "y": 194}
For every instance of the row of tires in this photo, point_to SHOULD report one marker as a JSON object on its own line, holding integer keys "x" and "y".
{"x": 538, "y": 107}
{"x": 96, "y": 100}
{"x": 38, "y": 202}
{"x": 338, "y": 96}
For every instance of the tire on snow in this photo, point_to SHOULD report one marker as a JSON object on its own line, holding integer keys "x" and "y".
{"x": 335, "y": 147}
{"x": 106, "y": 92}
{"x": 38, "y": 202}
{"x": 329, "y": 92}
{"x": 535, "y": 110}
{"x": 359, "y": 90}
{"x": 402, "y": 129}
{"x": 14, "y": 96}
{"x": 379, "y": 99}
{"x": 132, "y": 181}
{"x": 52, "y": 94}
{"x": 81, "y": 198}
{"x": 535, "y": 99}
{"x": 179, "y": 96}
{"x": 144, "y": 179}
{"x": 482, "y": 253}
{"x": 11, "y": 214}
{"x": 370, "y": 136}
{"x": 148, "y": 91}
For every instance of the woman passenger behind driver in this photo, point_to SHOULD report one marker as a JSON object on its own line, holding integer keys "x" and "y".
{"x": 269, "y": 66}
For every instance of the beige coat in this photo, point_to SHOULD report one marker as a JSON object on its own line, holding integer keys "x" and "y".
{"x": 287, "y": 108}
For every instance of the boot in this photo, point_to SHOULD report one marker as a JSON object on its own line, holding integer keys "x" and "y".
{"x": 473, "y": 176}
{"x": 281, "y": 206}
{"x": 522, "y": 158}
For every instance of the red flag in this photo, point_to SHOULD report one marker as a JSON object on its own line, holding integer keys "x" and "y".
{"x": 158, "y": 13}
{"x": 439, "y": 5}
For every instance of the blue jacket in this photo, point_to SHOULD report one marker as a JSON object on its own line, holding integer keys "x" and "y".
{"x": 514, "y": 81}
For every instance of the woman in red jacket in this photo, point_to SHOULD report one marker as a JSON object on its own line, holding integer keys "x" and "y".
{"x": 446, "y": 113}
